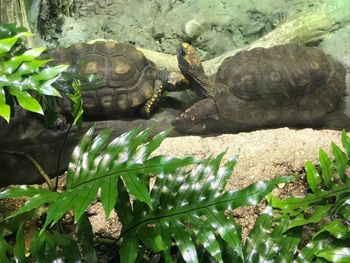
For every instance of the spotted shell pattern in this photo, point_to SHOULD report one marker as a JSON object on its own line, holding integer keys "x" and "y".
{"x": 115, "y": 77}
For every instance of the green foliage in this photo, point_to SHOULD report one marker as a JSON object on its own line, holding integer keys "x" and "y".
{"x": 326, "y": 209}
{"x": 186, "y": 204}
{"x": 77, "y": 103}
{"x": 23, "y": 74}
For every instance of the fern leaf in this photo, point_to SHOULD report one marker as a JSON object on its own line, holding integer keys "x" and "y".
{"x": 69, "y": 247}
{"x": 87, "y": 195}
{"x": 307, "y": 253}
{"x": 57, "y": 210}
{"x": 312, "y": 176}
{"x": 289, "y": 243}
{"x": 306, "y": 202}
{"x": 326, "y": 167}
{"x": 123, "y": 207}
{"x": 128, "y": 249}
{"x": 19, "y": 248}
{"x": 109, "y": 193}
{"x": 5, "y": 110}
{"x": 320, "y": 213}
{"x": 336, "y": 254}
{"x": 336, "y": 228}
{"x": 85, "y": 236}
{"x": 256, "y": 240}
{"x": 3, "y": 250}
{"x": 345, "y": 140}
{"x": 181, "y": 200}
{"x": 340, "y": 163}
{"x": 184, "y": 241}
{"x": 39, "y": 197}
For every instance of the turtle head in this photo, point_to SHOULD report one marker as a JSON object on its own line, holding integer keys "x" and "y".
{"x": 187, "y": 57}
{"x": 192, "y": 69}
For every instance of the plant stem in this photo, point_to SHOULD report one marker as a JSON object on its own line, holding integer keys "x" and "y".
{"x": 34, "y": 162}
{"x": 60, "y": 154}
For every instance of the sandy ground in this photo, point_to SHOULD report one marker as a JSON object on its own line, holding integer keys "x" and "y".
{"x": 263, "y": 154}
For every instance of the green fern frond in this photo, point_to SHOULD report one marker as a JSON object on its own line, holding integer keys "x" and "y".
{"x": 190, "y": 208}
{"x": 97, "y": 164}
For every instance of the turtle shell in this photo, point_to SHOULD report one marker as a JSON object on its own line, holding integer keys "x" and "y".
{"x": 284, "y": 71}
{"x": 283, "y": 85}
{"x": 116, "y": 78}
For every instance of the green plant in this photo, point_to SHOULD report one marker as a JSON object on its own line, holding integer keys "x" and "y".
{"x": 322, "y": 215}
{"x": 23, "y": 74}
{"x": 186, "y": 205}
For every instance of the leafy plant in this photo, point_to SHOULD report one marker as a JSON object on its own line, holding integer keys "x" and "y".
{"x": 186, "y": 205}
{"x": 23, "y": 74}
{"x": 324, "y": 214}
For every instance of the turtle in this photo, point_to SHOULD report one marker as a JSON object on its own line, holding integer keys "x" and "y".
{"x": 117, "y": 79}
{"x": 285, "y": 85}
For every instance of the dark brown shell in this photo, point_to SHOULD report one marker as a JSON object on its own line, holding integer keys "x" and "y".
{"x": 115, "y": 77}
{"x": 299, "y": 82}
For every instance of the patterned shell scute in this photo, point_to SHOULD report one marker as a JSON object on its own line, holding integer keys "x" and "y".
{"x": 115, "y": 77}
{"x": 285, "y": 71}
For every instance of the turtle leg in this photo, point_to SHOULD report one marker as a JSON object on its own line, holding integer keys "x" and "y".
{"x": 147, "y": 109}
{"x": 196, "y": 116}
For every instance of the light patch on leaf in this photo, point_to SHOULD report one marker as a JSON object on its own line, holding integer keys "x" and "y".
{"x": 73, "y": 167}
{"x": 184, "y": 203}
{"x": 202, "y": 198}
{"x": 260, "y": 185}
{"x": 188, "y": 254}
{"x": 165, "y": 190}
{"x": 106, "y": 159}
{"x": 85, "y": 162}
{"x": 229, "y": 206}
{"x": 167, "y": 159}
{"x": 122, "y": 139}
{"x": 140, "y": 154}
{"x": 97, "y": 142}
{"x": 268, "y": 211}
{"x": 97, "y": 160}
{"x": 208, "y": 170}
{"x": 123, "y": 157}
{"x": 222, "y": 172}
{"x": 252, "y": 200}
{"x": 76, "y": 153}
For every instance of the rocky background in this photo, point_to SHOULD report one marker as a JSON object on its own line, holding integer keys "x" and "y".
{"x": 212, "y": 26}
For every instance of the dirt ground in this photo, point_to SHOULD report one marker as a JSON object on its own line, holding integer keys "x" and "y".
{"x": 263, "y": 154}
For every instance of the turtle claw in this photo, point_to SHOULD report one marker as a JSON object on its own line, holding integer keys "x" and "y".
{"x": 194, "y": 118}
